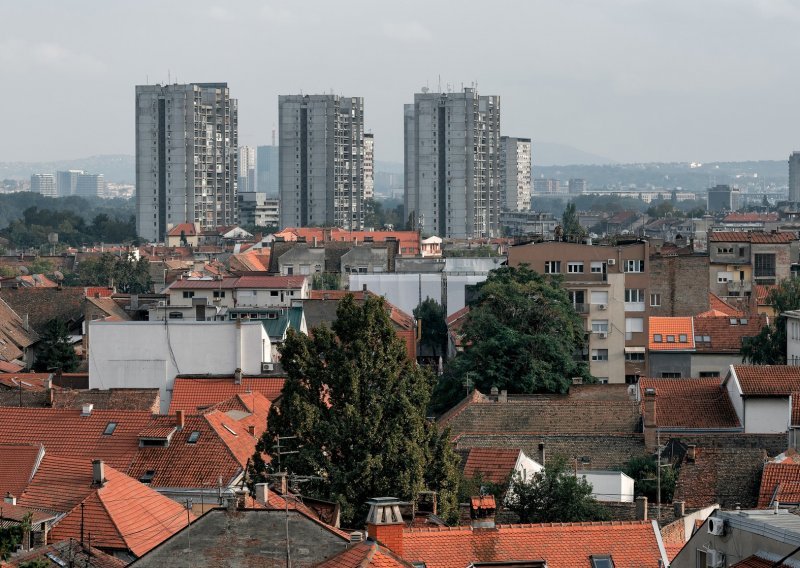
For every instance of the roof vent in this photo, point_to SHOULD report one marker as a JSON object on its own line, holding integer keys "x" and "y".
{"x": 356, "y": 536}
{"x": 87, "y": 408}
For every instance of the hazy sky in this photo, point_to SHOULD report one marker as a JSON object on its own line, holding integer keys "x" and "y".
{"x": 633, "y": 80}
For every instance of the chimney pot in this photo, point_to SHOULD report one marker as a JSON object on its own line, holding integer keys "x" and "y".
{"x": 98, "y": 473}
{"x": 237, "y": 376}
{"x": 262, "y": 493}
{"x": 678, "y": 509}
{"x": 180, "y": 419}
{"x": 10, "y": 499}
{"x": 641, "y": 508}
{"x": 691, "y": 452}
{"x": 494, "y": 391}
{"x": 385, "y": 523}
{"x": 503, "y": 396}
{"x": 482, "y": 510}
{"x": 87, "y": 409}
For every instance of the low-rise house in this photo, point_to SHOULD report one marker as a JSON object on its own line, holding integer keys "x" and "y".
{"x": 184, "y": 235}
{"x": 196, "y": 393}
{"x": 38, "y": 306}
{"x": 780, "y": 481}
{"x": 63, "y": 553}
{"x": 16, "y": 340}
{"x": 761, "y": 396}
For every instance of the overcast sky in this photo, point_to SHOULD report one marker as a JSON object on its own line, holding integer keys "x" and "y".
{"x": 633, "y": 80}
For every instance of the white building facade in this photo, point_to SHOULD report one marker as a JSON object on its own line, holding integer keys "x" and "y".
{"x": 44, "y": 184}
{"x": 515, "y": 173}
{"x": 247, "y": 169}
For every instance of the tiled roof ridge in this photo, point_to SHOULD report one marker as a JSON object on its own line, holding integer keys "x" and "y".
{"x": 547, "y": 433}
{"x": 516, "y": 526}
{"x": 474, "y": 397}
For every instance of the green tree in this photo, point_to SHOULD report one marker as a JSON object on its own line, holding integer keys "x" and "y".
{"x": 522, "y": 334}
{"x": 477, "y": 485}
{"x": 769, "y": 346}
{"x": 434, "y": 329}
{"x": 643, "y": 470}
{"x": 554, "y": 495}
{"x": 570, "y": 225}
{"x": 37, "y": 563}
{"x": 55, "y": 350}
{"x": 127, "y": 274}
{"x": 41, "y": 266}
{"x": 356, "y": 405}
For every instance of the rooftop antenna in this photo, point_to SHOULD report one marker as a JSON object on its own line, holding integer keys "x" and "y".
{"x": 169, "y": 77}
{"x": 440, "y": 82}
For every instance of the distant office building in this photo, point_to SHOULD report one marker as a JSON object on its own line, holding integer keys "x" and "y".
{"x": 794, "y": 177}
{"x": 546, "y": 186}
{"x": 186, "y": 157}
{"x": 452, "y": 164}
{"x": 515, "y": 173}
{"x": 369, "y": 166}
{"x": 267, "y": 180}
{"x": 247, "y": 169}
{"x": 45, "y": 184}
{"x": 576, "y": 186}
{"x": 723, "y": 198}
{"x": 321, "y": 146}
{"x": 67, "y": 182}
{"x": 256, "y": 208}
{"x": 90, "y": 185}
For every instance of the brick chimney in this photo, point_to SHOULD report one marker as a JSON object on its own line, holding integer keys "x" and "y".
{"x": 180, "y": 419}
{"x": 649, "y": 419}
{"x": 641, "y": 508}
{"x": 385, "y": 523}
{"x": 481, "y": 510}
{"x": 691, "y": 453}
{"x": 98, "y": 473}
{"x": 678, "y": 508}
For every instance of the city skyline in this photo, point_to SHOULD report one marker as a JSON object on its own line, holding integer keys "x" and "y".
{"x": 647, "y": 82}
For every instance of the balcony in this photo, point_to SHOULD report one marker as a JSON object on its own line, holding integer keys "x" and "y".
{"x": 581, "y": 308}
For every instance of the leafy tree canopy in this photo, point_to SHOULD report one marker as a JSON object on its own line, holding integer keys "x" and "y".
{"x": 643, "y": 470}
{"x": 434, "y": 329}
{"x": 356, "y": 405}
{"x": 522, "y": 334}
{"x": 554, "y": 495}
{"x": 769, "y": 346}
{"x": 127, "y": 274}
{"x": 55, "y": 350}
{"x": 570, "y": 225}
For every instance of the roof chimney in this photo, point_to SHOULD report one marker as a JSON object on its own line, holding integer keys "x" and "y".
{"x": 251, "y": 430}
{"x": 86, "y": 410}
{"x": 98, "y": 473}
{"x": 503, "y": 396}
{"x": 679, "y": 509}
{"x": 262, "y": 493}
{"x": 385, "y": 523}
{"x": 237, "y": 376}
{"x": 691, "y": 453}
{"x": 649, "y": 419}
{"x": 641, "y": 508}
{"x": 180, "y": 419}
{"x": 10, "y": 499}
{"x": 481, "y": 511}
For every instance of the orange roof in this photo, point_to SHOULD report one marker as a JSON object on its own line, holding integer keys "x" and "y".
{"x": 756, "y": 561}
{"x": 121, "y": 514}
{"x": 98, "y": 292}
{"x": 18, "y": 466}
{"x": 691, "y": 403}
{"x": 561, "y": 545}
{"x": 188, "y": 230}
{"x": 750, "y": 217}
{"x": 493, "y": 464}
{"x": 365, "y": 554}
{"x": 768, "y": 380}
{"x": 725, "y": 333}
{"x": 192, "y": 394}
{"x": 408, "y": 240}
{"x": 671, "y": 333}
{"x": 761, "y": 291}
{"x": 78, "y": 554}
{"x": 397, "y": 315}
{"x": 780, "y": 482}
{"x": 255, "y": 260}
{"x": 757, "y": 237}
{"x": 719, "y": 307}
{"x": 795, "y": 409}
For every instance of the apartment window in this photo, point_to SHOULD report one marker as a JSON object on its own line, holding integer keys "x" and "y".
{"x": 764, "y": 265}
{"x": 657, "y": 338}
{"x": 724, "y": 277}
{"x": 577, "y": 297}
{"x": 219, "y": 293}
{"x": 599, "y": 326}
{"x": 655, "y": 300}
{"x": 634, "y": 295}
{"x": 599, "y": 298}
{"x": 670, "y": 375}
{"x": 709, "y": 374}
{"x": 188, "y": 294}
{"x": 575, "y": 267}
{"x": 633, "y": 325}
{"x": 552, "y": 267}
{"x": 631, "y": 379}
{"x": 724, "y": 250}
{"x": 273, "y": 293}
{"x": 634, "y": 357}
{"x": 602, "y": 380}
{"x": 599, "y": 354}
{"x": 634, "y": 266}
{"x": 597, "y": 267}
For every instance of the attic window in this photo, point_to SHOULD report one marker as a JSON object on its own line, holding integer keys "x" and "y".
{"x": 657, "y": 338}
{"x": 110, "y": 427}
{"x": 147, "y": 476}
{"x": 193, "y": 437}
{"x": 601, "y": 561}
{"x": 743, "y": 321}
{"x": 733, "y": 321}
{"x": 682, "y": 338}
{"x": 670, "y": 339}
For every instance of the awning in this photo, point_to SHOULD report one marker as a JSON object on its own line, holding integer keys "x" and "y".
{"x": 635, "y": 350}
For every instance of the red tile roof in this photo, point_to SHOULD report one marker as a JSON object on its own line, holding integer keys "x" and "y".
{"x": 192, "y": 394}
{"x": 750, "y": 217}
{"x": 671, "y": 327}
{"x": 69, "y": 551}
{"x": 761, "y": 292}
{"x": 725, "y": 336}
{"x": 6, "y": 367}
{"x": 204, "y": 284}
{"x": 18, "y": 466}
{"x": 249, "y": 281}
{"x": 690, "y": 403}
{"x": 780, "y": 482}
{"x": 756, "y": 561}
{"x": 495, "y": 465}
{"x": 795, "y": 422}
{"x": 561, "y": 545}
{"x": 768, "y": 380}
{"x": 364, "y": 555}
{"x": 121, "y": 514}
{"x": 756, "y": 237}
{"x": 98, "y": 292}
{"x": 188, "y": 229}
{"x": 718, "y": 306}
{"x": 18, "y": 513}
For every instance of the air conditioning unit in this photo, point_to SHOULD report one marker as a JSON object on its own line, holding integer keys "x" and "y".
{"x": 714, "y": 559}
{"x": 603, "y": 335}
{"x": 611, "y": 261}
{"x": 162, "y": 303}
{"x": 265, "y": 367}
{"x": 602, "y": 306}
{"x": 716, "y": 526}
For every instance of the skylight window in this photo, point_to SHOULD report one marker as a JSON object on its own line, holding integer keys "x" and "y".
{"x": 110, "y": 427}
{"x": 743, "y": 321}
{"x": 670, "y": 339}
{"x": 193, "y": 437}
{"x": 657, "y": 338}
{"x": 147, "y": 476}
{"x": 601, "y": 561}
{"x": 682, "y": 338}
{"x": 733, "y": 321}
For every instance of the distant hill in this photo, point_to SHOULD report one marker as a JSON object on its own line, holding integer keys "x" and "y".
{"x": 117, "y": 168}
{"x": 551, "y": 154}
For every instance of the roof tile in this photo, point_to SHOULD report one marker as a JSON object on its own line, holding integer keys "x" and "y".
{"x": 671, "y": 333}
{"x": 768, "y": 380}
{"x": 691, "y": 403}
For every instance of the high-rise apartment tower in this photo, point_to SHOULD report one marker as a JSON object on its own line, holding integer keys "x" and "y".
{"x": 247, "y": 169}
{"x": 44, "y": 184}
{"x": 452, "y": 164}
{"x": 369, "y": 166}
{"x": 321, "y": 148}
{"x": 794, "y": 177}
{"x": 186, "y": 157}
{"x": 515, "y": 173}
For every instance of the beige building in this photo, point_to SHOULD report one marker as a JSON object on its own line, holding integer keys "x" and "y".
{"x": 609, "y": 288}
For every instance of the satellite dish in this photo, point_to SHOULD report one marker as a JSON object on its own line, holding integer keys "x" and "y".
{"x": 58, "y": 275}
{"x": 23, "y": 270}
